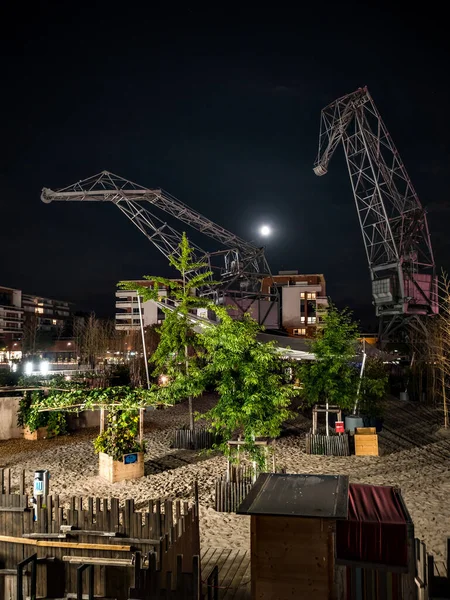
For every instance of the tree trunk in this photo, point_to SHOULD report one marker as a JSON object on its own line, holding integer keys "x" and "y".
{"x": 191, "y": 410}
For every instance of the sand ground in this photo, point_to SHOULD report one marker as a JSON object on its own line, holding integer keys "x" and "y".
{"x": 415, "y": 457}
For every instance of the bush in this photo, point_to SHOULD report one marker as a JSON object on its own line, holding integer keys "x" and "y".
{"x": 27, "y": 417}
{"x": 120, "y": 435}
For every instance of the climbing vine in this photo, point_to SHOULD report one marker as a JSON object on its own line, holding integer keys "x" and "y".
{"x": 122, "y": 404}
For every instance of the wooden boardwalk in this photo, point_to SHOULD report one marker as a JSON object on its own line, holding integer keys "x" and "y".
{"x": 234, "y": 572}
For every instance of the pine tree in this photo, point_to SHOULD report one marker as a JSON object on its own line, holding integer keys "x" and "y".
{"x": 176, "y": 354}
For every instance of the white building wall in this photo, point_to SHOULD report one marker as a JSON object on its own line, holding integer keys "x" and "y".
{"x": 127, "y": 315}
{"x": 291, "y": 303}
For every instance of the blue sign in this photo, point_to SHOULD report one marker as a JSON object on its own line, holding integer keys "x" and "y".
{"x": 129, "y": 459}
{"x": 38, "y": 486}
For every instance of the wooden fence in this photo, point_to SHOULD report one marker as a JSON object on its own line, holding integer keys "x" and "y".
{"x": 181, "y": 585}
{"x": 199, "y": 439}
{"x": 329, "y": 445}
{"x": 96, "y": 531}
{"x": 233, "y": 487}
{"x": 432, "y": 578}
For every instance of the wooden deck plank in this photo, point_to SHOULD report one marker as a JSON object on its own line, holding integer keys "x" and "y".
{"x": 204, "y": 554}
{"x": 211, "y": 561}
{"x": 224, "y": 571}
{"x": 234, "y": 571}
{"x": 241, "y": 564}
{"x": 243, "y": 592}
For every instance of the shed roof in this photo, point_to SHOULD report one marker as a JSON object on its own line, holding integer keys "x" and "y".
{"x": 318, "y": 496}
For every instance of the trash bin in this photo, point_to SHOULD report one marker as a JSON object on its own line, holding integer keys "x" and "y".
{"x": 353, "y": 421}
{"x": 41, "y": 483}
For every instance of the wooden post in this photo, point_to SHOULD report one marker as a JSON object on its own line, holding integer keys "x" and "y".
{"x": 102, "y": 420}
{"x": 141, "y": 425}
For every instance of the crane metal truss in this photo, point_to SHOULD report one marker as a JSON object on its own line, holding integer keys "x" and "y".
{"x": 393, "y": 223}
{"x": 241, "y": 261}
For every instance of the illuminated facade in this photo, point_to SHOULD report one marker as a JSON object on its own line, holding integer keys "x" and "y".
{"x": 303, "y": 301}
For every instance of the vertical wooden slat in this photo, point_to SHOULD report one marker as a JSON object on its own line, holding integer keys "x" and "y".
{"x": 7, "y": 481}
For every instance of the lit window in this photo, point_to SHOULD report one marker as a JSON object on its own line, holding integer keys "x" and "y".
{"x": 302, "y": 319}
{"x": 302, "y": 295}
{"x": 299, "y": 331}
{"x": 311, "y": 320}
{"x": 311, "y": 295}
{"x": 39, "y": 311}
{"x": 54, "y": 321}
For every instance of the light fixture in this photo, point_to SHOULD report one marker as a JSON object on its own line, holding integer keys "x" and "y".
{"x": 44, "y": 367}
{"x": 28, "y": 368}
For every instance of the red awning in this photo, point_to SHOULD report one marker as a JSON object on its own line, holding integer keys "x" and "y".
{"x": 376, "y": 528}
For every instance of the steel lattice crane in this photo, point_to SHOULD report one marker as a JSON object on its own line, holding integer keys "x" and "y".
{"x": 241, "y": 263}
{"x": 393, "y": 223}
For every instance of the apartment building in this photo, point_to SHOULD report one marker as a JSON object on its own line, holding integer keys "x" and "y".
{"x": 127, "y": 317}
{"x": 11, "y": 320}
{"x": 27, "y": 322}
{"x": 47, "y": 315}
{"x": 303, "y": 300}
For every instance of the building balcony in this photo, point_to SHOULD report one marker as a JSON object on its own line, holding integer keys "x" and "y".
{"x": 16, "y": 319}
{"x": 125, "y": 303}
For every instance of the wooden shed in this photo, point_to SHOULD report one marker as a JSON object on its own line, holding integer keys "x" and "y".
{"x": 293, "y": 524}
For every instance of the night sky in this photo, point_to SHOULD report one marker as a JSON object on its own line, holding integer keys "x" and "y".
{"x": 221, "y": 108}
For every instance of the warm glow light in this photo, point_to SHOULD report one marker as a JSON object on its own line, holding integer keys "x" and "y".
{"x": 265, "y": 230}
{"x": 163, "y": 380}
{"x": 44, "y": 367}
{"x": 28, "y": 368}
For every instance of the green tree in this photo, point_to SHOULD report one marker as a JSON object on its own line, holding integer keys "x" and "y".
{"x": 331, "y": 378}
{"x": 248, "y": 375}
{"x": 176, "y": 354}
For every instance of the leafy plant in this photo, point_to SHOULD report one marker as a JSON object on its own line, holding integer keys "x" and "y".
{"x": 56, "y": 424}
{"x": 119, "y": 436}
{"x": 176, "y": 354}
{"x": 122, "y": 404}
{"x": 254, "y": 397}
{"x": 28, "y": 416}
{"x": 331, "y": 377}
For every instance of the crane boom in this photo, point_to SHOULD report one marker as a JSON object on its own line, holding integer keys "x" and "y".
{"x": 392, "y": 220}
{"x": 242, "y": 260}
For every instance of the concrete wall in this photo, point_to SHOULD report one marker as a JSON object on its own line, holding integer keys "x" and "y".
{"x": 150, "y": 316}
{"x": 8, "y": 418}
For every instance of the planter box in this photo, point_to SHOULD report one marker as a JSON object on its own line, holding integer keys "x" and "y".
{"x": 118, "y": 470}
{"x": 366, "y": 441}
{"x": 39, "y": 434}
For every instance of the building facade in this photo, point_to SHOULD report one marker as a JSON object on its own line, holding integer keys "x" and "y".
{"x": 30, "y": 323}
{"x": 11, "y": 321}
{"x": 303, "y": 301}
{"x": 127, "y": 315}
{"x": 52, "y": 316}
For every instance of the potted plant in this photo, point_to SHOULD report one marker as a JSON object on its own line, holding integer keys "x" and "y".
{"x": 39, "y": 425}
{"x": 121, "y": 454}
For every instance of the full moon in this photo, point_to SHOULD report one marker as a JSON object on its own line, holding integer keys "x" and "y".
{"x": 264, "y": 230}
